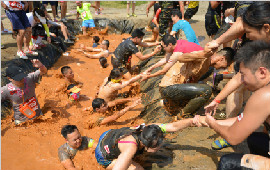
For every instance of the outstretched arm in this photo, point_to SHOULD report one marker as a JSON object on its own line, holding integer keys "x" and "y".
{"x": 146, "y": 56}
{"x": 120, "y": 113}
{"x": 126, "y": 83}
{"x": 96, "y": 56}
{"x": 148, "y": 44}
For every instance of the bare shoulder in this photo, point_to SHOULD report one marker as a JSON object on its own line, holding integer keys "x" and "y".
{"x": 261, "y": 99}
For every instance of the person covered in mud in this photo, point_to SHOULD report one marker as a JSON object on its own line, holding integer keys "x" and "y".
{"x": 74, "y": 143}
{"x": 121, "y": 58}
{"x": 68, "y": 75}
{"x": 254, "y": 59}
{"x": 101, "y": 107}
{"x": 103, "y": 50}
{"x": 112, "y": 84}
{"x": 183, "y": 25}
{"x": 21, "y": 91}
{"x": 117, "y": 147}
{"x": 179, "y": 86}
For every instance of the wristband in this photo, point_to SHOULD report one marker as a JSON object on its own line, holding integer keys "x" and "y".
{"x": 91, "y": 143}
{"x": 218, "y": 101}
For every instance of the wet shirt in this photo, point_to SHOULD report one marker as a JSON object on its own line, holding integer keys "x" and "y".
{"x": 189, "y": 32}
{"x": 186, "y": 47}
{"x": 66, "y": 152}
{"x": 85, "y": 11}
{"x": 24, "y": 95}
{"x": 125, "y": 50}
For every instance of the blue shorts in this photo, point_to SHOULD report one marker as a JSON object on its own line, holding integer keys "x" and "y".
{"x": 100, "y": 159}
{"x": 88, "y": 23}
{"x": 18, "y": 19}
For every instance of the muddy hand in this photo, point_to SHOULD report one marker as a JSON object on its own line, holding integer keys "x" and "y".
{"x": 202, "y": 121}
{"x": 49, "y": 39}
{"x": 36, "y": 63}
{"x": 209, "y": 119}
{"x": 212, "y": 44}
{"x": 137, "y": 102}
{"x": 144, "y": 77}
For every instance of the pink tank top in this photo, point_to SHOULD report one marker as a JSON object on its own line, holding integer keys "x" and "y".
{"x": 186, "y": 47}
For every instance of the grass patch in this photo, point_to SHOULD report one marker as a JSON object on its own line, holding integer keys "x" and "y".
{"x": 119, "y": 4}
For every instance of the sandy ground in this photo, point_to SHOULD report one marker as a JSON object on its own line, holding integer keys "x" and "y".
{"x": 35, "y": 146}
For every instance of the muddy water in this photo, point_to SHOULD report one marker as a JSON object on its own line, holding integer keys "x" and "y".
{"x": 35, "y": 145}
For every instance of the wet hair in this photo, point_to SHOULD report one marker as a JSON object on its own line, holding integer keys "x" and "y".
{"x": 254, "y": 55}
{"x": 107, "y": 43}
{"x": 39, "y": 11}
{"x": 176, "y": 12}
{"x": 97, "y": 102}
{"x": 167, "y": 39}
{"x": 96, "y": 39}
{"x": 68, "y": 129}
{"x": 228, "y": 53}
{"x": 114, "y": 74}
{"x": 137, "y": 33}
{"x": 64, "y": 69}
{"x": 156, "y": 7}
{"x": 103, "y": 62}
{"x": 151, "y": 136}
{"x": 257, "y": 14}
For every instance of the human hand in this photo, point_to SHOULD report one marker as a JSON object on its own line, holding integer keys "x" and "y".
{"x": 36, "y": 63}
{"x": 82, "y": 46}
{"x": 49, "y": 39}
{"x": 212, "y": 44}
{"x": 209, "y": 119}
{"x": 211, "y": 107}
{"x": 136, "y": 102}
{"x": 157, "y": 49}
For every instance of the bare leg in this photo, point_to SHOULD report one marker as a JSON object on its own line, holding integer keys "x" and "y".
{"x": 54, "y": 11}
{"x": 234, "y": 103}
{"x": 84, "y": 30}
{"x": 63, "y": 9}
{"x": 27, "y": 38}
{"x": 128, "y": 7}
{"x": 2, "y": 26}
{"x": 133, "y": 8}
{"x": 20, "y": 37}
{"x": 64, "y": 30}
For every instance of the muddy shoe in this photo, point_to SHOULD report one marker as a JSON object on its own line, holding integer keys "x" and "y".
{"x": 220, "y": 144}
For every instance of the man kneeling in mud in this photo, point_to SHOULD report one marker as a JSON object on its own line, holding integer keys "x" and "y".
{"x": 74, "y": 143}
{"x": 185, "y": 62}
{"x": 101, "y": 107}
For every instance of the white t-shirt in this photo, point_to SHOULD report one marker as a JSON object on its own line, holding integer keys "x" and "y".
{"x": 14, "y": 5}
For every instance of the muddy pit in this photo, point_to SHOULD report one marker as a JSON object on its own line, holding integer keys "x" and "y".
{"x": 34, "y": 146}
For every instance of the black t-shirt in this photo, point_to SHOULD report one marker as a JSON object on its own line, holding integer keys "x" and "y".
{"x": 125, "y": 50}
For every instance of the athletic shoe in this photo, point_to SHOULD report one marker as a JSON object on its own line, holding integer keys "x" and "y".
{"x": 99, "y": 12}
{"x": 68, "y": 41}
{"x": 96, "y": 13}
{"x": 55, "y": 20}
{"x": 72, "y": 37}
{"x": 128, "y": 15}
{"x": 2, "y": 46}
{"x": 31, "y": 52}
{"x": 134, "y": 15}
{"x": 220, "y": 144}
{"x": 22, "y": 55}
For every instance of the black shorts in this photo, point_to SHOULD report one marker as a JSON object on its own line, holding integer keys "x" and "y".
{"x": 52, "y": 3}
{"x": 212, "y": 23}
{"x": 190, "y": 12}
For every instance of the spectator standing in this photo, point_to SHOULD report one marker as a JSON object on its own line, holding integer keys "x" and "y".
{"x": 53, "y": 5}
{"x": 133, "y": 8}
{"x": 15, "y": 11}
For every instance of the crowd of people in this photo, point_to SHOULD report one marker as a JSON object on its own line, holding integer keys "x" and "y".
{"x": 243, "y": 28}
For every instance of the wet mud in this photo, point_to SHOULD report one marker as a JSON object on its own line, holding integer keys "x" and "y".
{"x": 34, "y": 145}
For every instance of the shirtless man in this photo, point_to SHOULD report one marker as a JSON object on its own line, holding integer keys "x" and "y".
{"x": 187, "y": 72}
{"x": 122, "y": 55}
{"x": 104, "y": 50}
{"x": 109, "y": 89}
{"x": 255, "y": 75}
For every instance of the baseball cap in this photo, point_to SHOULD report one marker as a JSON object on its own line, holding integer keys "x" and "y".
{"x": 15, "y": 73}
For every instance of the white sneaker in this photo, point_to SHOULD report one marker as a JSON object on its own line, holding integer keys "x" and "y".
{"x": 31, "y": 52}
{"x": 22, "y": 55}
